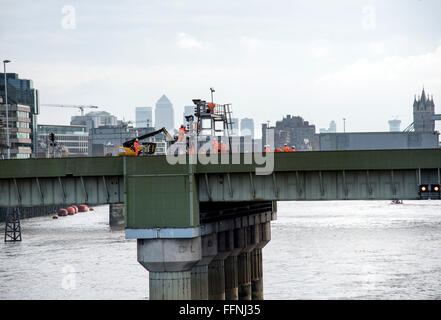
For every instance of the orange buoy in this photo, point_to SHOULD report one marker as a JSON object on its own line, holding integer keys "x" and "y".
{"x": 70, "y": 211}
{"x": 83, "y": 208}
{"x": 62, "y": 212}
{"x": 76, "y": 208}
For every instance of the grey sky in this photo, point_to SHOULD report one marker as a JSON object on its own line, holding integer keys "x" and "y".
{"x": 323, "y": 60}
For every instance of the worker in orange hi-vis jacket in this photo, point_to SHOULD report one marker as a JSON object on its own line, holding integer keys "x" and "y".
{"x": 277, "y": 150}
{"x": 293, "y": 149}
{"x": 215, "y": 145}
{"x": 181, "y": 134}
{"x": 136, "y": 146}
{"x": 223, "y": 148}
{"x": 267, "y": 148}
{"x": 211, "y": 107}
{"x": 286, "y": 148}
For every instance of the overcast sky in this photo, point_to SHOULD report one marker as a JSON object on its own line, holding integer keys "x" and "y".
{"x": 322, "y": 60}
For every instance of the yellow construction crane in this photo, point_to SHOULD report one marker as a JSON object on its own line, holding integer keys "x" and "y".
{"x": 70, "y": 106}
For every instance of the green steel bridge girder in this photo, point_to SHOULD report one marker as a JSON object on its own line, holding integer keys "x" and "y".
{"x": 158, "y": 194}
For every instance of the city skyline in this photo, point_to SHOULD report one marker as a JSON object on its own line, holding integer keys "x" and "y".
{"x": 220, "y": 151}
{"x": 293, "y": 58}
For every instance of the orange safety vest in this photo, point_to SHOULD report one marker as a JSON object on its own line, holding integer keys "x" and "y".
{"x": 181, "y": 134}
{"x": 286, "y": 149}
{"x": 136, "y": 147}
{"x": 267, "y": 149}
{"x": 277, "y": 150}
{"x": 211, "y": 107}
{"x": 215, "y": 147}
{"x": 293, "y": 150}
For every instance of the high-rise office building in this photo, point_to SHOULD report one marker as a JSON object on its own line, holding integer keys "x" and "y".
{"x": 19, "y": 119}
{"x": 23, "y": 106}
{"x": 247, "y": 127}
{"x": 188, "y": 111}
{"x": 144, "y": 117}
{"x": 164, "y": 115}
{"x": 394, "y": 125}
{"x": 235, "y": 126}
{"x": 294, "y": 131}
{"x": 332, "y": 128}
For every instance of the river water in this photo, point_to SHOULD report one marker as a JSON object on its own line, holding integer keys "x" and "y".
{"x": 319, "y": 250}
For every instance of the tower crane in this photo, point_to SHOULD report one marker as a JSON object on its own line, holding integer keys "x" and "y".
{"x": 70, "y": 106}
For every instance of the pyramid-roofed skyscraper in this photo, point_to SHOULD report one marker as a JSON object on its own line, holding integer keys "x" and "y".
{"x": 164, "y": 114}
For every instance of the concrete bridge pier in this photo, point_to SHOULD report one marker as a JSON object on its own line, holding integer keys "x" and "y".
{"x": 244, "y": 261}
{"x": 257, "y": 263}
{"x": 116, "y": 215}
{"x": 244, "y": 276}
{"x": 231, "y": 265}
{"x": 169, "y": 262}
{"x": 216, "y": 269}
{"x": 216, "y": 279}
{"x": 199, "y": 273}
{"x": 256, "y": 275}
{"x": 231, "y": 278}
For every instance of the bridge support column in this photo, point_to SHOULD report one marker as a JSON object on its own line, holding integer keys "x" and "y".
{"x": 231, "y": 264}
{"x": 244, "y": 261}
{"x": 169, "y": 262}
{"x": 216, "y": 280}
{"x": 170, "y": 285}
{"x": 216, "y": 269}
{"x": 244, "y": 276}
{"x": 256, "y": 275}
{"x": 199, "y": 282}
{"x": 231, "y": 279}
{"x": 116, "y": 215}
{"x": 257, "y": 262}
{"x": 199, "y": 273}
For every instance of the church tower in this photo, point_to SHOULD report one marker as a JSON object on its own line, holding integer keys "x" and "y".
{"x": 423, "y": 112}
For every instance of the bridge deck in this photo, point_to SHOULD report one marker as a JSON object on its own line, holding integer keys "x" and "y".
{"x": 151, "y": 185}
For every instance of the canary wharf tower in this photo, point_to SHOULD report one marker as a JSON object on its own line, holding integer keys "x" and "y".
{"x": 164, "y": 115}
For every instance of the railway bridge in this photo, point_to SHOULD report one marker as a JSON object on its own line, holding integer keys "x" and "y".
{"x": 200, "y": 229}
